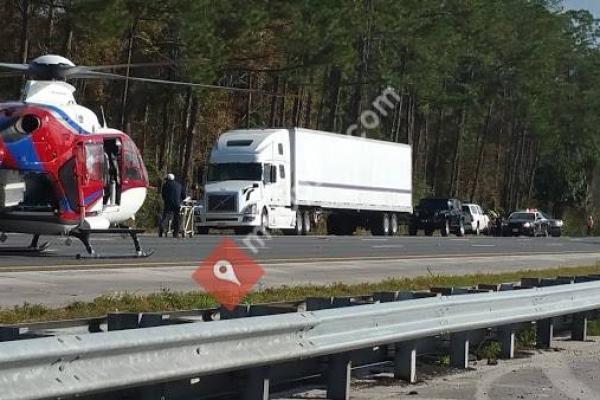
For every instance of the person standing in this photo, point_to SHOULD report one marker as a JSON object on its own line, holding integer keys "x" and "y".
{"x": 172, "y": 195}
{"x": 590, "y": 225}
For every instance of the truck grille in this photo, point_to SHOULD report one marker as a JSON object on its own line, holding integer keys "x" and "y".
{"x": 222, "y": 202}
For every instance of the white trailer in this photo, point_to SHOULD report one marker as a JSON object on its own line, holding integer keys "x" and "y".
{"x": 287, "y": 178}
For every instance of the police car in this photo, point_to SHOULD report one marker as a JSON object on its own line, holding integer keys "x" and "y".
{"x": 529, "y": 222}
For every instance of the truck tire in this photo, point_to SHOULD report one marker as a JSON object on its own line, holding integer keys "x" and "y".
{"x": 461, "y": 229}
{"x": 445, "y": 231}
{"x": 380, "y": 225}
{"x": 298, "y": 230}
{"x": 346, "y": 225}
{"x": 394, "y": 225}
{"x": 332, "y": 224}
{"x": 306, "y": 225}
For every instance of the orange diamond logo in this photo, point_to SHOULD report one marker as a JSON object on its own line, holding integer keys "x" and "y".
{"x": 228, "y": 274}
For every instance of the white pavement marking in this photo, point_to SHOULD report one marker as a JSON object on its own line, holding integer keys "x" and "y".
{"x": 387, "y": 246}
{"x": 483, "y": 245}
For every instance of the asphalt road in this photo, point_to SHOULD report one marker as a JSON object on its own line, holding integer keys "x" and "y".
{"x": 57, "y": 278}
{"x": 174, "y": 252}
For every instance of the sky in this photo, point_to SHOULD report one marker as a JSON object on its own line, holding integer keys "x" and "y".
{"x": 591, "y": 5}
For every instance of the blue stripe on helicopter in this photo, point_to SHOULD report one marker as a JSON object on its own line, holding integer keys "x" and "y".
{"x": 92, "y": 197}
{"x": 65, "y": 117}
{"x": 24, "y": 154}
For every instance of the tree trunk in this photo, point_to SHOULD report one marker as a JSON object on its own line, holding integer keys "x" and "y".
{"x": 132, "y": 30}
{"x": 50, "y": 30}
{"x": 249, "y": 101}
{"x": 273, "y": 111}
{"x": 436, "y": 151}
{"x": 189, "y": 143}
{"x": 308, "y": 110}
{"x": 333, "y": 91}
{"x": 282, "y": 121}
{"x": 481, "y": 142}
{"x": 456, "y": 163}
{"x": 165, "y": 139}
{"x": 25, "y": 8}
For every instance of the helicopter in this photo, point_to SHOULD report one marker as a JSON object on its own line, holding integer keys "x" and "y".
{"x": 62, "y": 172}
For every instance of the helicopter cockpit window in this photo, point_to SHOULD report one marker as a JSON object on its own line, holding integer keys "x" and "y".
{"x": 132, "y": 168}
{"x": 94, "y": 161}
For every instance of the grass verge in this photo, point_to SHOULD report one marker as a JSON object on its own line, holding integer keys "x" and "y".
{"x": 168, "y": 301}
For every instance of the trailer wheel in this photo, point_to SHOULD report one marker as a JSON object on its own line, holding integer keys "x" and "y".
{"x": 394, "y": 225}
{"x": 381, "y": 225}
{"x": 331, "y": 227}
{"x": 298, "y": 229}
{"x": 306, "y": 228}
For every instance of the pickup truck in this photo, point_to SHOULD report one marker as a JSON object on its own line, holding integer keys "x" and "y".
{"x": 476, "y": 221}
{"x": 444, "y": 214}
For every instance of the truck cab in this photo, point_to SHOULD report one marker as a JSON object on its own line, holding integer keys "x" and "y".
{"x": 248, "y": 182}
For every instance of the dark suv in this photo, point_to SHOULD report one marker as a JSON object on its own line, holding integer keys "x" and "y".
{"x": 443, "y": 214}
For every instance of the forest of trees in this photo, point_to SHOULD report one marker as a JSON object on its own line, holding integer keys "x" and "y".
{"x": 500, "y": 100}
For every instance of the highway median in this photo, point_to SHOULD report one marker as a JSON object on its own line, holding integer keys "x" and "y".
{"x": 165, "y": 301}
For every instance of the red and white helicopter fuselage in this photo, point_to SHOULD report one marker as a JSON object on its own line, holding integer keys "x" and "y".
{"x": 60, "y": 169}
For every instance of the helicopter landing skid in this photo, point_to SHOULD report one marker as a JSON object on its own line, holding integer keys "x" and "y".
{"x": 84, "y": 236}
{"x": 33, "y": 248}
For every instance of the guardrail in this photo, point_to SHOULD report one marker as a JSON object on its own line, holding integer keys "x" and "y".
{"x": 173, "y": 361}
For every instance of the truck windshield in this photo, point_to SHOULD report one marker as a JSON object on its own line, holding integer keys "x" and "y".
{"x": 234, "y": 172}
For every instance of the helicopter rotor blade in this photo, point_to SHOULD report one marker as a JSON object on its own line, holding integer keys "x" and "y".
{"x": 121, "y": 66}
{"x": 105, "y": 75}
{"x": 17, "y": 67}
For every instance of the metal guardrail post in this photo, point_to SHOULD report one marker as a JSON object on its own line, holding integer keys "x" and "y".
{"x": 8, "y": 333}
{"x": 459, "y": 350}
{"x": 385, "y": 297}
{"x": 152, "y": 319}
{"x": 257, "y": 384}
{"x": 339, "y": 376}
{"x": 544, "y": 333}
{"x": 507, "y": 339}
{"x": 405, "y": 361}
{"x": 579, "y": 327}
{"x": 318, "y": 303}
{"x": 121, "y": 321}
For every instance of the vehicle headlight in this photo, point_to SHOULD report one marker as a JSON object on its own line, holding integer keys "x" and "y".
{"x": 527, "y": 225}
{"x": 559, "y": 223}
{"x": 250, "y": 209}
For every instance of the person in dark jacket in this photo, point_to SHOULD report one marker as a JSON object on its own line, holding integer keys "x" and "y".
{"x": 172, "y": 195}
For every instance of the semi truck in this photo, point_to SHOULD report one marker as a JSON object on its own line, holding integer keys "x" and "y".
{"x": 289, "y": 179}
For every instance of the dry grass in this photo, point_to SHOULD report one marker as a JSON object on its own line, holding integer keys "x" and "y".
{"x": 168, "y": 301}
